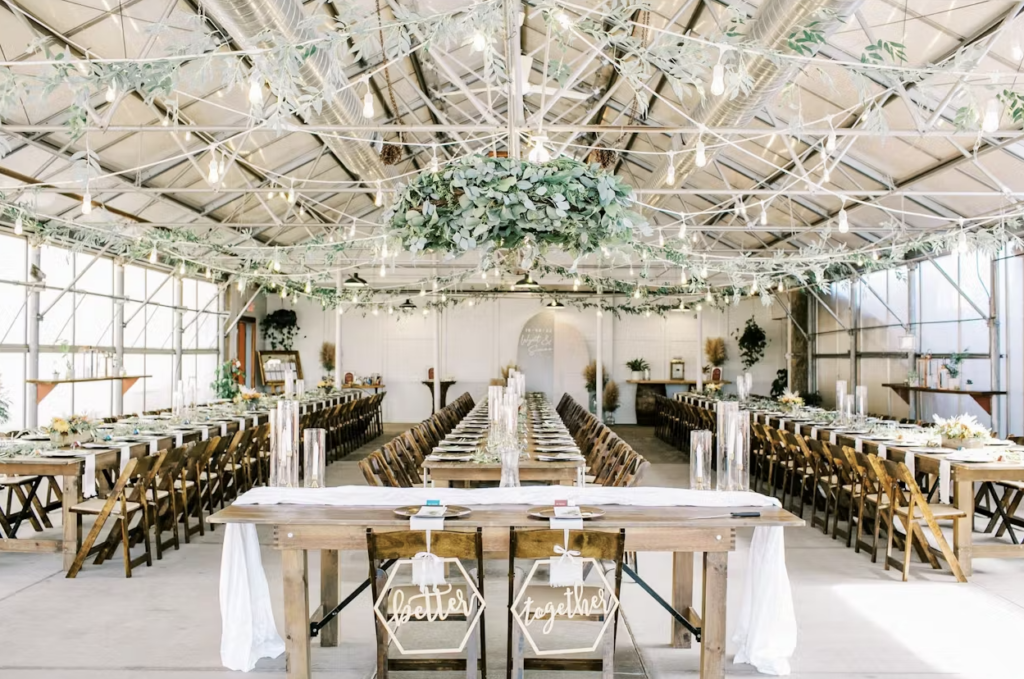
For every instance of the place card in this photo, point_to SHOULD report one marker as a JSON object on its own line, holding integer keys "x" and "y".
{"x": 832, "y": 436}
{"x": 205, "y": 433}
{"x": 858, "y": 445}
{"x": 566, "y": 517}
{"x": 241, "y": 424}
{"x": 429, "y": 517}
{"x": 883, "y": 452}
{"x": 223, "y": 428}
{"x": 179, "y": 439}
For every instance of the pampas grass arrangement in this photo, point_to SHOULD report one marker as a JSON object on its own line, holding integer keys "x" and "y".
{"x": 327, "y": 356}
{"x": 590, "y": 376}
{"x": 611, "y": 397}
{"x": 714, "y": 349}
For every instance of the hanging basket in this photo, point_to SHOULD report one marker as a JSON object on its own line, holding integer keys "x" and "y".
{"x": 391, "y": 154}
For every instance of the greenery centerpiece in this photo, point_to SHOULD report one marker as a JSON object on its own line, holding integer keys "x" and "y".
{"x": 507, "y": 204}
{"x": 752, "y": 340}
{"x": 953, "y": 367}
{"x": 962, "y": 431}
{"x": 638, "y": 367}
{"x": 69, "y": 431}
{"x": 226, "y": 379}
{"x": 280, "y": 329}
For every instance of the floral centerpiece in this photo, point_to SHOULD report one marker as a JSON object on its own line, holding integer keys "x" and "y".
{"x": 962, "y": 431}
{"x": 791, "y": 400}
{"x": 327, "y": 385}
{"x": 70, "y": 430}
{"x": 713, "y": 388}
{"x": 250, "y": 398}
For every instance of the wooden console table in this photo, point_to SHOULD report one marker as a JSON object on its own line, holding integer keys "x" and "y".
{"x": 646, "y": 390}
{"x": 983, "y": 398}
{"x": 44, "y": 387}
{"x": 444, "y": 392}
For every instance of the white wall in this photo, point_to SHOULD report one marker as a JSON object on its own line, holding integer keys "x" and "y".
{"x": 477, "y": 341}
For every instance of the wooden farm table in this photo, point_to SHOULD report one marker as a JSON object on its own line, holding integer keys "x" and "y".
{"x": 679, "y": 530}
{"x": 71, "y": 470}
{"x": 963, "y": 476}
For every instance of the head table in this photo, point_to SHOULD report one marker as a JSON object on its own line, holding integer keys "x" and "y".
{"x": 673, "y": 520}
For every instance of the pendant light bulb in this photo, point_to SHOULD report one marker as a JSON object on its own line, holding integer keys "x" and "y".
{"x": 576, "y": 284}
{"x": 826, "y": 175}
{"x": 741, "y": 209}
{"x": 479, "y": 42}
{"x": 209, "y": 273}
{"x": 241, "y": 285}
{"x": 111, "y": 93}
{"x": 213, "y": 176}
{"x": 782, "y": 286}
{"x": 352, "y": 229}
{"x": 830, "y": 141}
{"x": 181, "y": 269}
{"x": 962, "y": 246}
{"x": 188, "y": 135}
{"x": 718, "y": 80}
{"x": 682, "y": 229}
{"x": 764, "y": 215}
{"x": 19, "y": 225}
{"x": 423, "y": 290}
{"x": 993, "y": 112}
{"x": 670, "y": 176}
{"x": 435, "y": 166}
{"x": 708, "y": 296}
{"x": 701, "y": 158}
{"x": 309, "y": 286}
{"x": 383, "y": 270}
{"x": 153, "y": 255}
{"x": 368, "y": 111}
{"x": 538, "y": 151}
{"x": 683, "y": 277}
{"x": 844, "y": 221}
{"x": 378, "y": 200}
{"x": 87, "y": 203}
{"x": 291, "y": 196}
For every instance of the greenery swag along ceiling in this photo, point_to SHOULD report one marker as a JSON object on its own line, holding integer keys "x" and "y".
{"x": 836, "y": 136}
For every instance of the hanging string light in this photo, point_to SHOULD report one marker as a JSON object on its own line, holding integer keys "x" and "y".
{"x": 19, "y": 225}
{"x": 241, "y": 285}
{"x": 670, "y": 176}
{"x": 782, "y": 286}
{"x": 111, "y": 92}
{"x": 764, "y": 214}
{"x": 741, "y": 209}
{"x": 576, "y": 284}
{"x": 87, "y": 203}
{"x": 153, "y": 255}
{"x": 701, "y": 158}
{"x": 181, "y": 269}
{"x": 993, "y": 111}
{"x": 826, "y": 175}
{"x": 843, "y": 220}
{"x": 830, "y": 140}
{"x": 383, "y": 270}
{"x": 718, "y": 76}
{"x": 684, "y": 278}
{"x": 479, "y": 42}
{"x": 352, "y": 229}
{"x": 309, "y": 286}
{"x": 423, "y": 290}
{"x": 291, "y": 195}
{"x": 368, "y": 111}
{"x": 682, "y": 227}
{"x": 378, "y": 200}
{"x": 435, "y": 166}
{"x": 213, "y": 175}
{"x": 209, "y": 273}
{"x": 255, "y": 93}
{"x": 962, "y": 246}
{"x": 538, "y": 151}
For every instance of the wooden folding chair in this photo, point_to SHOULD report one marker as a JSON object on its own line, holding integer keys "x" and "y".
{"x": 540, "y": 544}
{"x": 384, "y": 546}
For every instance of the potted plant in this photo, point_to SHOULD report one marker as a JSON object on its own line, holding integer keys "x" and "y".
{"x": 752, "y": 341}
{"x": 962, "y": 431}
{"x": 610, "y": 401}
{"x": 952, "y": 366}
{"x": 280, "y": 328}
{"x": 714, "y": 350}
{"x": 590, "y": 381}
{"x": 638, "y": 366}
{"x": 226, "y": 379}
{"x": 913, "y": 378}
{"x": 779, "y": 383}
{"x": 69, "y": 431}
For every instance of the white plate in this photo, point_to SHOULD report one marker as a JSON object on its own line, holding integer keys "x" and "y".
{"x": 996, "y": 442}
{"x": 972, "y": 456}
{"x": 560, "y": 458}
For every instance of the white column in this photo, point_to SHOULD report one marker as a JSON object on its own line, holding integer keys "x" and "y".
{"x": 223, "y": 349}
{"x": 437, "y": 359}
{"x": 700, "y": 349}
{"x": 176, "y": 333}
{"x": 599, "y": 382}
{"x": 32, "y": 318}
{"x": 118, "y": 334}
{"x": 337, "y": 335}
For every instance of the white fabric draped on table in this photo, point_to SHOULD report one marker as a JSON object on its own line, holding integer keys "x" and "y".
{"x": 766, "y": 631}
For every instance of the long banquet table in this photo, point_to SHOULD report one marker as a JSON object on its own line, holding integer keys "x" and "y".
{"x": 303, "y": 525}
{"x": 70, "y": 471}
{"x": 963, "y": 476}
{"x": 560, "y": 472}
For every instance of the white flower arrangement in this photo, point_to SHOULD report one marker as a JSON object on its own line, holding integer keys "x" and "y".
{"x": 791, "y": 398}
{"x": 712, "y": 388}
{"x": 961, "y": 428}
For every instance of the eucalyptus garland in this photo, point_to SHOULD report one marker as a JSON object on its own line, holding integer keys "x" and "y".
{"x": 509, "y": 204}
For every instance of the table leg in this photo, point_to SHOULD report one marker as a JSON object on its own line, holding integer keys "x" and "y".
{"x": 682, "y": 595}
{"x": 329, "y": 594}
{"x": 296, "y": 612}
{"x": 963, "y": 529}
{"x": 72, "y": 491}
{"x": 712, "y": 645}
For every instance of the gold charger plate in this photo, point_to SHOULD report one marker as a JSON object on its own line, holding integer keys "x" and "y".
{"x": 549, "y": 512}
{"x": 451, "y": 512}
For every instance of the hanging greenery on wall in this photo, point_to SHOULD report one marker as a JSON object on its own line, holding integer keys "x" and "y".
{"x": 779, "y": 383}
{"x": 280, "y": 329}
{"x": 225, "y": 381}
{"x": 752, "y": 341}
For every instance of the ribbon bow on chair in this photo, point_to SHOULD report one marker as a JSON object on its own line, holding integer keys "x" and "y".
{"x": 427, "y": 569}
{"x": 566, "y": 571}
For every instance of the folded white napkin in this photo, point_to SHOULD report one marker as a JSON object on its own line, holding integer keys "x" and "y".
{"x": 126, "y": 454}
{"x": 89, "y": 476}
{"x": 944, "y": 470}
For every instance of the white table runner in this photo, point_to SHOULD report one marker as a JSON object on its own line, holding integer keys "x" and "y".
{"x": 766, "y": 632}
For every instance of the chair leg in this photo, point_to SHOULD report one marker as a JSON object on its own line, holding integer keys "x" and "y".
{"x": 124, "y": 543}
{"x": 909, "y": 548}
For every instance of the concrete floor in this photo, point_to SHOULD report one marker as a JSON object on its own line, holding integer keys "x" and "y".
{"x": 856, "y": 620}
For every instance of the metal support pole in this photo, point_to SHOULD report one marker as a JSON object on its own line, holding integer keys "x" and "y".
{"x": 854, "y": 329}
{"x": 118, "y": 334}
{"x": 599, "y": 381}
{"x": 222, "y": 305}
{"x": 437, "y": 359}
{"x": 337, "y": 337}
{"x": 913, "y": 321}
{"x": 812, "y": 348}
{"x": 32, "y": 367}
{"x": 995, "y": 355}
{"x": 700, "y": 350}
{"x": 516, "y": 119}
{"x": 176, "y": 333}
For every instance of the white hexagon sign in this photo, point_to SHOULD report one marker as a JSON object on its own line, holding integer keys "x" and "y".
{"x": 573, "y": 605}
{"x": 436, "y": 604}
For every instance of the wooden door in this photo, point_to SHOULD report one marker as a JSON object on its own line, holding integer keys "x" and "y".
{"x": 246, "y": 350}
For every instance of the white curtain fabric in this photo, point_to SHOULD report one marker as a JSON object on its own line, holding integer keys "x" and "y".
{"x": 766, "y": 630}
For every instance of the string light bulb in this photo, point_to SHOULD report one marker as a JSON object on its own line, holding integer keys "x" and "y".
{"x": 19, "y": 225}
{"x": 764, "y": 214}
{"x": 352, "y": 229}
{"x": 383, "y": 270}
{"x": 111, "y": 92}
{"x": 153, "y": 255}
{"x": 844, "y": 220}
{"x": 563, "y": 20}
{"x": 378, "y": 200}
{"x": 291, "y": 195}
{"x": 241, "y": 285}
{"x": 188, "y": 135}
{"x": 256, "y": 93}
{"x": 341, "y": 310}
{"x": 718, "y": 79}
{"x": 962, "y": 245}
{"x": 576, "y": 284}
{"x": 87, "y": 203}
{"x": 435, "y": 166}
{"x": 830, "y": 141}
{"x": 309, "y": 286}
{"x": 708, "y": 296}
{"x": 213, "y": 176}
{"x": 423, "y": 290}
{"x": 682, "y": 229}
{"x": 993, "y": 111}
{"x": 670, "y": 176}
{"x": 181, "y": 269}
{"x": 479, "y": 42}
{"x": 209, "y": 273}
{"x": 368, "y": 111}
{"x": 826, "y": 175}
{"x": 782, "y": 286}
{"x": 538, "y": 151}
{"x": 701, "y": 158}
